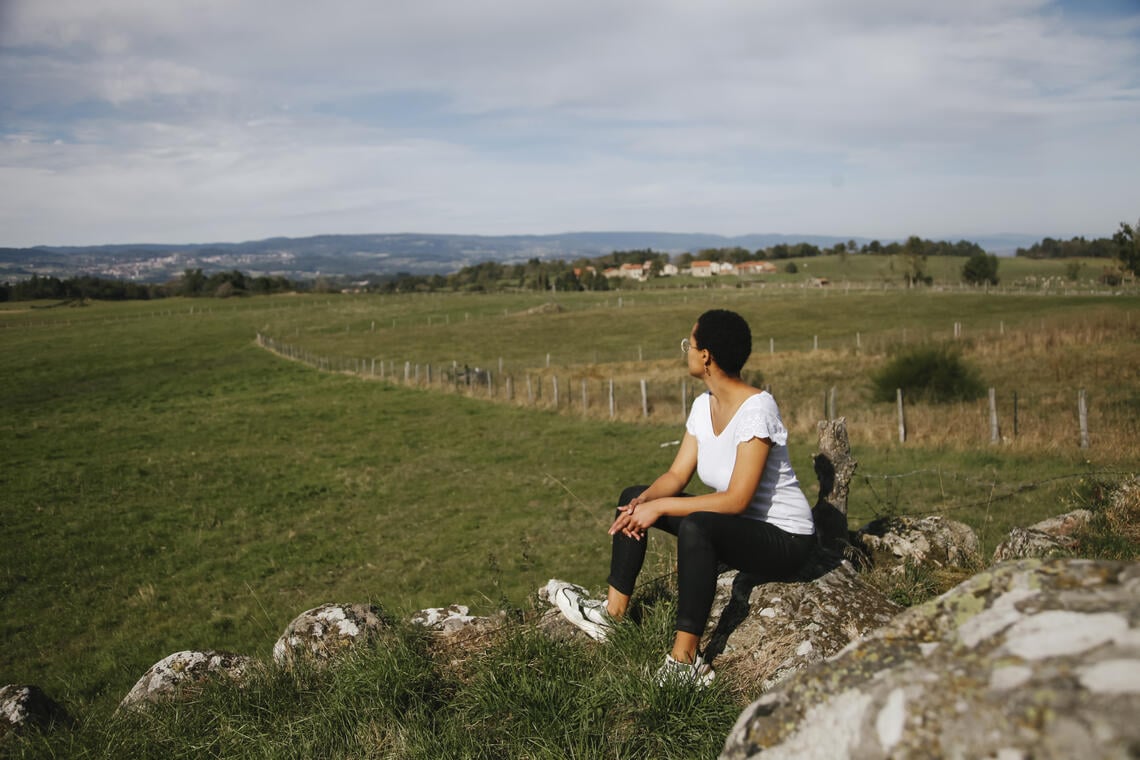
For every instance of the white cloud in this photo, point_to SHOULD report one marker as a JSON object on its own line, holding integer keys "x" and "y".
{"x": 215, "y": 119}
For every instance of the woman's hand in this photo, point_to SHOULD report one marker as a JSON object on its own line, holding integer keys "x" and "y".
{"x": 635, "y": 518}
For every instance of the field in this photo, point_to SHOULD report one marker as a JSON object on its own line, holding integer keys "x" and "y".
{"x": 169, "y": 484}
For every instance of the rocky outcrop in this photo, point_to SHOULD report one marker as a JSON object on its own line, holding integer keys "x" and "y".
{"x": 172, "y": 675}
{"x": 23, "y": 706}
{"x": 1057, "y": 536}
{"x": 763, "y": 632}
{"x": 1028, "y": 659}
{"x": 932, "y": 541}
{"x": 322, "y": 633}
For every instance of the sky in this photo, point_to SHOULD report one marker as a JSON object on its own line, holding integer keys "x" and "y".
{"x": 187, "y": 121}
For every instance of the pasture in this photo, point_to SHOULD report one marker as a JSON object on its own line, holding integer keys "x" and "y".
{"x": 168, "y": 484}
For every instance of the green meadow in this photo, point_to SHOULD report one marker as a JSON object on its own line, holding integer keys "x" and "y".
{"x": 169, "y": 484}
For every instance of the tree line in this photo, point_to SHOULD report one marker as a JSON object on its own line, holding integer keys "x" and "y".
{"x": 585, "y": 273}
{"x": 193, "y": 283}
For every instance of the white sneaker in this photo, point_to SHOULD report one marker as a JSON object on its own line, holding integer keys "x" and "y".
{"x": 676, "y": 673}
{"x": 589, "y": 615}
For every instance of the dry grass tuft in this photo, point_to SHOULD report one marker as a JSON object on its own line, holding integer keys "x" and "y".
{"x": 1123, "y": 511}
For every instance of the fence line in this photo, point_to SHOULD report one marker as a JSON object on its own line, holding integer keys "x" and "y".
{"x": 648, "y": 401}
{"x": 480, "y": 382}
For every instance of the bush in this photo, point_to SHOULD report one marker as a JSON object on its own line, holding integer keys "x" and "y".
{"x": 936, "y": 374}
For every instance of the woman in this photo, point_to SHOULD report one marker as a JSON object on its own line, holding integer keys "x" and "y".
{"x": 757, "y": 520}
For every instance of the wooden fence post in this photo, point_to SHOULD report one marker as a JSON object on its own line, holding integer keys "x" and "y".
{"x": 1083, "y": 416}
{"x": 644, "y": 399}
{"x": 612, "y": 409}
{"x": 995, "y": 433}
{"x": 902, "y": 416}
{"x": 1015, "y": 414}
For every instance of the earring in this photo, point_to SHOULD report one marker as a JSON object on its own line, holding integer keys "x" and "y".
{"x": 707, "y": 373}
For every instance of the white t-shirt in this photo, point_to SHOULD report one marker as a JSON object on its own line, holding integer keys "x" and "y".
{"x": 778, "y": 498}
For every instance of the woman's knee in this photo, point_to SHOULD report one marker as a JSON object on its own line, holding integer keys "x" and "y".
{"x": 629, "y": 494}
{"x": 694, "y": 530}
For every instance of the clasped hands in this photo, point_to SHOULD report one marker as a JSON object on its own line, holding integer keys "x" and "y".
{"x": 634, "y": 519}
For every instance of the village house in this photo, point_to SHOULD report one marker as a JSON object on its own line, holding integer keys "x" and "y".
{"x": 702, "y": 269}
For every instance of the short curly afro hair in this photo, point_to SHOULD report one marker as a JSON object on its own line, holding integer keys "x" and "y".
{"x": 726, "y": 336}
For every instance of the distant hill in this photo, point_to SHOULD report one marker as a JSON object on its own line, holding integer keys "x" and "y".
{"x": 354, "y": 255}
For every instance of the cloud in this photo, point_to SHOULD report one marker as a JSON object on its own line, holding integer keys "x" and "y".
{"x": 204, "y": 119}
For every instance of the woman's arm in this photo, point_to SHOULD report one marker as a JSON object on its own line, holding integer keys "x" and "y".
{"x": 673, "y": 481}
{"x": 751, "y": 456}
{"x": 669, "y": 483}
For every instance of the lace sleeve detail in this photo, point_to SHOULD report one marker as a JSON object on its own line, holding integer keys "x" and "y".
{"x": 763, "y": 421}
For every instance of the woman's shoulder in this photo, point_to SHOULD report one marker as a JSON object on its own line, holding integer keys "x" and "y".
{"x": 760, "y": 399}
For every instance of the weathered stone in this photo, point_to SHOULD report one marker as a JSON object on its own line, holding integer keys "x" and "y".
{"x": 1049, "y": 538}
{"x": 763, "y": 632}
{"x": 323, "y": 633}
{"x": 457, "y": 632}
{"x": 171, "y": 675}
{"x": 444, "y": 619}
{"x": 834, "y": 467}
{"x": 933, "y": 541}
{"x": 26, "y": 706}
{"x": 1028, "y": 659}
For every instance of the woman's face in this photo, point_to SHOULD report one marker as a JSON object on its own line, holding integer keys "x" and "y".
{"x": 696, "y": 356}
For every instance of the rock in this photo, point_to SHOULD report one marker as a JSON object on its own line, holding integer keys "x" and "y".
{"x": 444, "y": 619}
{"x": 1048, "y": 538}
{"x": 171, "y": 675}
{"x": 919, "y": 541}
{"x": 323, "y": 633}
{"x": 457, "y": 632}
{"x": 764, "y": 632}
{"x": 1028, "y": 659}
{"x": 26, "y": 706}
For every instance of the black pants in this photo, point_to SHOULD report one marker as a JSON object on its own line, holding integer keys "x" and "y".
{"x": 704, "y": 541}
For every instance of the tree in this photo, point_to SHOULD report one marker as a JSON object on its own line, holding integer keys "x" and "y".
{"x": 980, "y": 269}
{"x": 193, "y": 282}
{"x": 914, "y": 255}
{"x": 1127, "y": 240}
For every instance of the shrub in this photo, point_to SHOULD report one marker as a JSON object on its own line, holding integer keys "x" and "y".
{"x": 936, "y": 374}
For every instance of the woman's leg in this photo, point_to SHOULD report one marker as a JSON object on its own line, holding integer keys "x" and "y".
{"x": 627, "y": 556}
{"x": 706, "y": 539}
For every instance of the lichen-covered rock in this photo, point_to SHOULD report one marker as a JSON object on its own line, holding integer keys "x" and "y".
{"x": 456, "y": 635}
{"x": 444, "y": 619}
{"x": 323, "y": 633}
{"x": 455, "y": 626}
{"x": 762, "y": 633}
{"x": 1030, "y": 659}
{"x": 171, "y": 675}
{"x": 933, "y": 541}
{"x": 24, "y": 706}
{"x": 1048, "y": 538}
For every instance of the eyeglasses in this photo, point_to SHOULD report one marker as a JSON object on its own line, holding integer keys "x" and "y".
{"x": 685, "y": 345}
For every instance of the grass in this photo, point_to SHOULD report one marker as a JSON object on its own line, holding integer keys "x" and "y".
{"x": 523, "y": 696}
{"x": 170, "y": 485}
